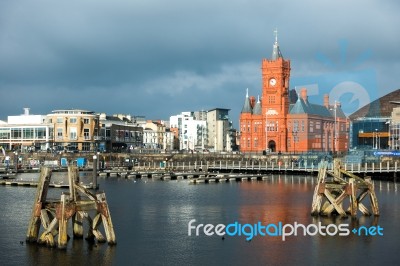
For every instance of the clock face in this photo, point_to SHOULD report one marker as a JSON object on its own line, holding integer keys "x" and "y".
{"x": 272, "y": 82}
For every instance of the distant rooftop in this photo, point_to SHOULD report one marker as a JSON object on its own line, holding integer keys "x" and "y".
{"x": 381, "y": 107}
{"x": 72, "y": 111}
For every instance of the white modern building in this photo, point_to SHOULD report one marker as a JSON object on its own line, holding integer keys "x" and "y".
{"x": 26, "y": 132}
{"x": 211, "y": 130}
{"x": 192, "y": 132}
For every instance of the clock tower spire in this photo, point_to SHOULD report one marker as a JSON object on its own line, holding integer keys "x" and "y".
{"x": 275, "y": 98}
{"x": 276, "y": 52}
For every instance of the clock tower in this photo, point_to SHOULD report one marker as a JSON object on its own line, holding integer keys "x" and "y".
{"x": 275, "y": 99}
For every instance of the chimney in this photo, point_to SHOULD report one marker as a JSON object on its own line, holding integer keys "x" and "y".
{"x": 326, "y": 100}
{"x": 252, "y": 101}
{"x": 303, "y": 94}
{"x": 26, "y": 111}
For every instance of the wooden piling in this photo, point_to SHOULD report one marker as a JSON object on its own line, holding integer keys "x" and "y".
{"x": 62, "y": 221}
{"x": 75, "y": 205}
{"x": 106, "y": 218}
{"x": 335, "y": 191}
{"x": 40, "y": 198}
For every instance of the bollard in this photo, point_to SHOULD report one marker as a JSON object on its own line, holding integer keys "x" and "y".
{"x": 94, "y": 182}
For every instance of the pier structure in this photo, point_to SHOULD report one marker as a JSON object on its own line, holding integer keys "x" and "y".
{"x": 76, "y": 206}
{"x": 333, "y": 188}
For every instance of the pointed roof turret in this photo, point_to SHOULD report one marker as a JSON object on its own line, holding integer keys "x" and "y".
{"x": 246, "y": 107}
{"x": 276, "y": 52}
{"x": 257, "y": 107}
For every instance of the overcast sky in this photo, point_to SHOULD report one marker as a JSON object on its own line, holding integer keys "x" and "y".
{"x": 158, "y": 58}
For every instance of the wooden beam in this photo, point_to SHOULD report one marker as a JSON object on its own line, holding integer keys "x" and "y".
{"x": 40, "y": 198}
{"x": 106, "y": 217}
{"x": 62, "y": 223}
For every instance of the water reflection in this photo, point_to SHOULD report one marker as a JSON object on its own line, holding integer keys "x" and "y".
{"x": 151, "y": 217}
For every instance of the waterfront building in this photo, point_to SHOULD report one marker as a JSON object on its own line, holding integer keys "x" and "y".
{"x": 154, "y": 136}
{"x": 26, "y": 132}
{"x": 219, "y": 129}
{"x": 74, "y": 129}
{"x": 374, "y": 125}
{"x": 273, "y": 123}
{"x": 192, "y": 133}
{"x": 394, "y": 129}
{"x": 120, "y": 132}
{"x": 168, "y": 140}
{"x": 204, "y": 130}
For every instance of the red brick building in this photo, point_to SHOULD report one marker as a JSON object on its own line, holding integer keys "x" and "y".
{"x": 274, "y": 123}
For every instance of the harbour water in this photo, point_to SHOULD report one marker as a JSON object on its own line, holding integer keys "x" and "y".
{"x": 151, "y": 219}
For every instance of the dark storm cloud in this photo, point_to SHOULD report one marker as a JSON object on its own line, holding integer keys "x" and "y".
{"x": 158, "y": 58}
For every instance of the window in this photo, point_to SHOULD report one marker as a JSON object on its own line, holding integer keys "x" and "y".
{"x": 40, "y": 133}
{"x": 72, "y": 120}
{"x": 295, "y": 126}
{"x": 271, "y": 99}
{"x": 28, "y": 133}
{"x": 302, "y": 125}
{"x": 318, "y": 125}
{"x": 73, "y": 133}
{"x": 16, "y": 133}
{"x": 86, "y": 146}
{"x": 4, "y": 134}
{"x": 86, "y": 134}
{"x": 59, "y": 133}
{"x": 255, "y": 142}
{"x": 311, "y": 126}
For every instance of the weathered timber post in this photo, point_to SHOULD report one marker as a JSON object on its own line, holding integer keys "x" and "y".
{"x": 336, "y": 169}
{"x": 353, "y": 197}
{"x": 106, "y": 218}
{"x": 62, "y": 217}
{"x": 77, "y": 218}
{"x": 319, "y": 188}
{"x": 40, "y": 199}
{"x": 48, "y": 235}
{"x": 372, "y": 195}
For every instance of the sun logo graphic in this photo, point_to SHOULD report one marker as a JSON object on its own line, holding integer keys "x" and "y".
{"x": 345, "y": 78}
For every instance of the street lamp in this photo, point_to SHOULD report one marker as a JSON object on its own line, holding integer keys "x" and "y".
{"x": 16, "y": 161}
